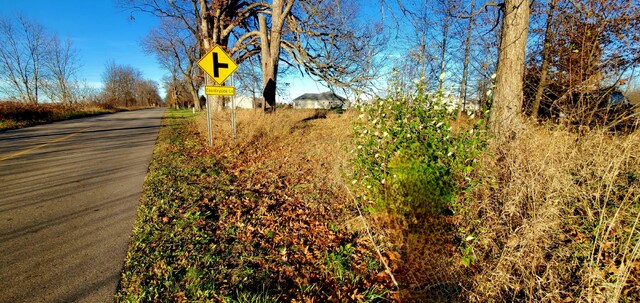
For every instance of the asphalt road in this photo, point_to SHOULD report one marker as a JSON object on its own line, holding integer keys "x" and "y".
{"x": 68, "y": 198}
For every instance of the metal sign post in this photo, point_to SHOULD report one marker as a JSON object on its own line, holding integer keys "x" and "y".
{"x": 209, "y": 126}
{"x": 233, "y": 110}
{"x": 219, "y": 66}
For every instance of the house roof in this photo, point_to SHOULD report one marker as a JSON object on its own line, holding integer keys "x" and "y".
{"x": 326, "y": 96}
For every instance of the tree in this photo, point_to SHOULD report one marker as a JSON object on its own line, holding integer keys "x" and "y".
{"x": 465, "y": 64}
{"x": 270, "y": 40}
{"x": 249, "y": 80}
{"x": 146, "y": 92}
{"x": 323, "y": 39}
{"x": 546, "y": 58}
{"x": 209, "y": 23}
{"x": 508, "y": 94}
{"x": 314, "y": 34}
{"x": 21, "y": 58}
{"x": 177, "y": 91}
{"x": 589, "y": 47}
{"x": 177, "y": 51}
{"x": 62, "y": 66}
{"x": 431, "y": 24}
{"x": 122, "y": 86}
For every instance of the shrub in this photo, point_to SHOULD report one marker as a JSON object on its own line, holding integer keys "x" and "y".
{"x": 408, "y": 158}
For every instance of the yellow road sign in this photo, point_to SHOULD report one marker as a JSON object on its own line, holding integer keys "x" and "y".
{"x": 218, "y": 64}
{"x": 220, "y": 90}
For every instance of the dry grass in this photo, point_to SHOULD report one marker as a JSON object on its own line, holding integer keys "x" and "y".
{"x": 18, "y": 115}
{"x": 555, "y": 219}
{"x": 287, "y": 139}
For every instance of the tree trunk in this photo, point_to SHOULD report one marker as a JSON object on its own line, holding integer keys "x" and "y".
{"x": 535, "y": 106}
{"x": 508, "y": 94}
{"x": 268, "y": 64}
{"x": 465, "y": 65}
{"x": 445, "y": 33}
{"x": 195, "y": 97}
{"x": 194, "y": 90}
{"x": 270, "y": 48}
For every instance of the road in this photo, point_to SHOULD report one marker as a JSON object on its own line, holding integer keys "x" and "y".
{"x": 68, "y": 198}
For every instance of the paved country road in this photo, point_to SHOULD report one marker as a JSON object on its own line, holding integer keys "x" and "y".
{"x": 68, "y": 198}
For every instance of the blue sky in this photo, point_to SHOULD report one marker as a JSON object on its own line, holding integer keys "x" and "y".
{"x": 99, "y": 31}
{"x": 102, "y": 32}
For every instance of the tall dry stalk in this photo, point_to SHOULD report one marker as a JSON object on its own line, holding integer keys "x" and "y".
{"x": 556, "y": 218}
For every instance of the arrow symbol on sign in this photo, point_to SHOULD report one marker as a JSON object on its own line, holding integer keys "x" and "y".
{"x": 217, "y": 65}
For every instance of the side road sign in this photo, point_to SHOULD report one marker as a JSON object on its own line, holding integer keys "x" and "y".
{"x": 220, "y": 90}
{"x": 218, "y": 64}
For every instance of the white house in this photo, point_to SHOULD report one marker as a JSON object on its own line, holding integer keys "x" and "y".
{"x": 245, "y": 102}
{"x": 326, "y": 100}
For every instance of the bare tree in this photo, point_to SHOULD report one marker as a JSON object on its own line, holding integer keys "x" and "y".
{"x": 209, "y": 23}
{"x": 322, "y": 39}
{"x": 21, "y": 58}
{"x": 146, "y": 92}
{"x": 589, "y": 47}
{"x": 120, "y": 83}
{"x": 546, "y": 58}
{"x": 249, "y": 80}
{"x": 467, "y": 55}
{"x": 270, "y": 39}
{"x": 177, "y": 91}
{"x": 315, "y": 35}
{"x": 62, "y": 66}
{"x": 177, "y": 51}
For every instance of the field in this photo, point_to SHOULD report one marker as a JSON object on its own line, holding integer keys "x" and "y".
{"x": 18, "y": 115}
{"x": 551, "y": 216}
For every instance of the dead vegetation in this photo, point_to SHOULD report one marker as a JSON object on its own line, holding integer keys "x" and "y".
{"x": 287, "y": 172}
{"x": 18, "y": 115}
{"x": 555, "y": 217}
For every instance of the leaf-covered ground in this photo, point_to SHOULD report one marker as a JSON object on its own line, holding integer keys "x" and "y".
{"x": 264, "y": 219}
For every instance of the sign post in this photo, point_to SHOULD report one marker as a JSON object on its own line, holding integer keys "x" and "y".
{"x": 219, "y": 66}
{"x": 233, "y": 110}
{"x": 209, "y": 129}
